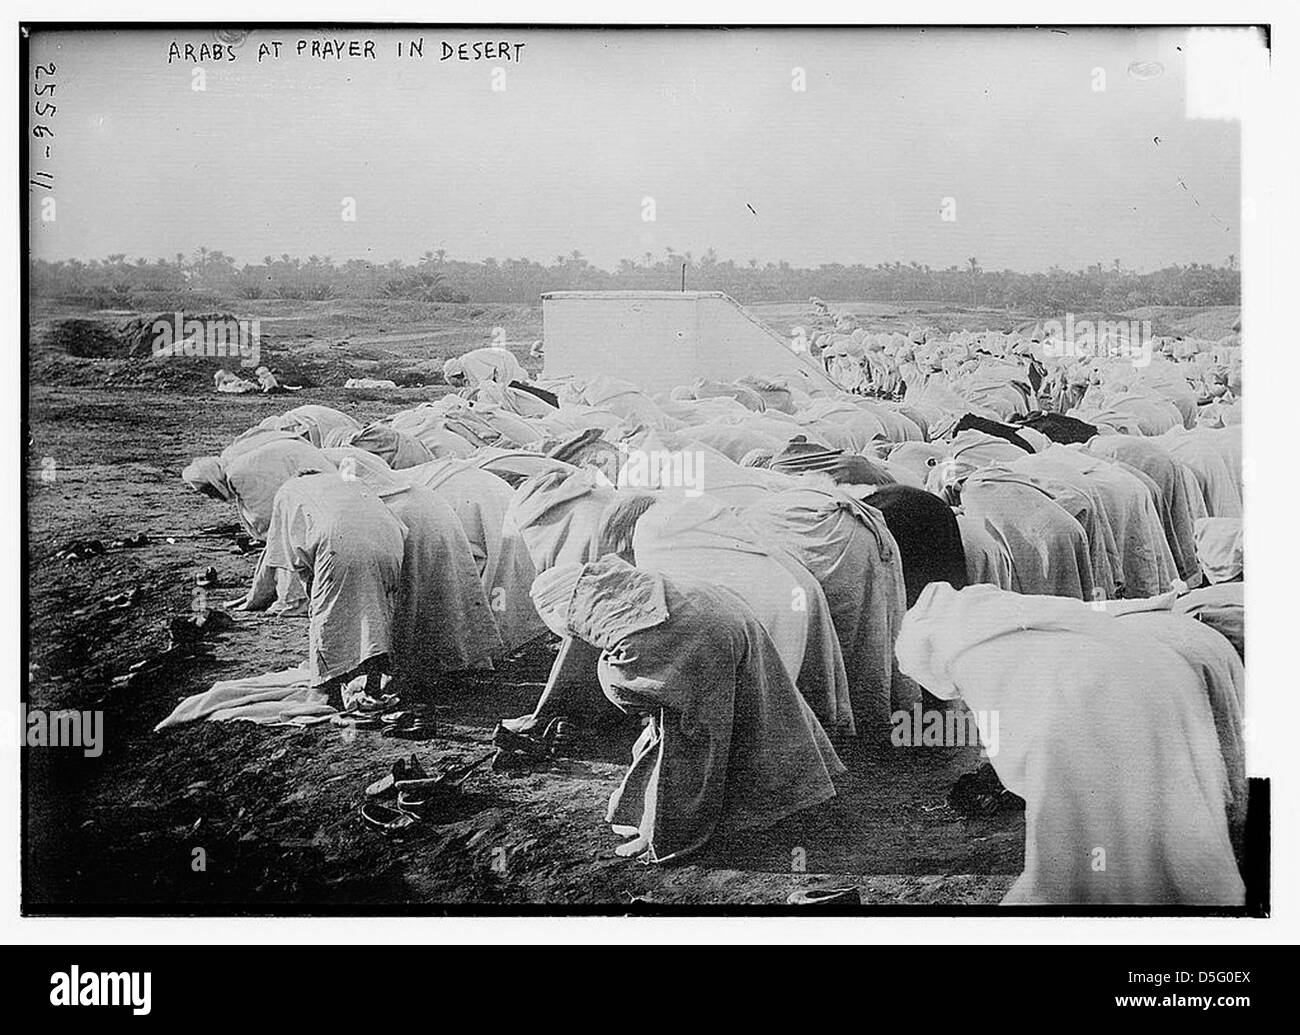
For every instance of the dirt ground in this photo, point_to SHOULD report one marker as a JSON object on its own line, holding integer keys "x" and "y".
{"x": 274, "y": 810}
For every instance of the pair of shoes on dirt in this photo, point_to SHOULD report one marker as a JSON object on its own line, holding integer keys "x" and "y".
{"x": 80, "y": 549}
{"x": 518, "y": 746}
{"x": 405, "y": 772}
{"x": 407, "y": 725}
{"x": 364, "y": 712}
{"x": 409, "y": 793}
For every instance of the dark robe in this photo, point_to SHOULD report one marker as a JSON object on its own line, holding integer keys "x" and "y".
{"x": 992, "y": 427}
{"x": 928, "y": 538}
{"x": 1060, "y": 428}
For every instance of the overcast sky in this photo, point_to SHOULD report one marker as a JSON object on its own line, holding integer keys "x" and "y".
{"x": 1042, "y": 167}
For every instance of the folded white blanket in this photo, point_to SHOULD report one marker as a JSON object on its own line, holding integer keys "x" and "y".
{"x": 273, "y": 698}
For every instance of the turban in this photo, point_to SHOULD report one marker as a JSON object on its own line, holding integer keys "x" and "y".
{"x": 601, "y": 602}
{"x": 207, "y": 475}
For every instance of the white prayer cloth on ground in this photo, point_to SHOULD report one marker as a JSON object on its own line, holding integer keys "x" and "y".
{"x": 369, "y": 382}
{"x": 271, "y": 699}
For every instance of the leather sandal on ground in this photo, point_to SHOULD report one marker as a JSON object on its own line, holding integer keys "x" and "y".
{"x": 413, "y": 800}
{"x": 386, "y": 818}
{"x": 406, "y": 772}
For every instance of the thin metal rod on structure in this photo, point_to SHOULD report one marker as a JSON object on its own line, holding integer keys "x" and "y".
{"x": 683, "y": 276}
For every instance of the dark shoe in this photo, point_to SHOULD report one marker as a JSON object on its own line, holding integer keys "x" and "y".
{"x": 980, "y": 794}
{"x": 523, "y": 744}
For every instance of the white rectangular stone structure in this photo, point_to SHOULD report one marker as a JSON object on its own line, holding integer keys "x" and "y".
{"x": 661, "y": 339}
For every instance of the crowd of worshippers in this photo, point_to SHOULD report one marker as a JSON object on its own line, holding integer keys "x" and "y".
{"x": 1074, "y": 372}
{"x": 832, "y": 558}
